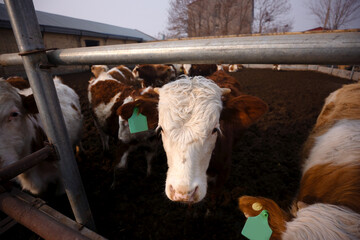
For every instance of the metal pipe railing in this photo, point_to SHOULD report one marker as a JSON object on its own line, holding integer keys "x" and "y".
{"x": 35, "y": 220}
{"x": 339, "y": 47}
{"x": 11, "y": 171}
{"x": 28, "y": 37}
{"x": 59, "y": 217}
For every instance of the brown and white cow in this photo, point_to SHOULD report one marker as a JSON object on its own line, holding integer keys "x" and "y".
{"x": 230, "y": 67}
{"x": 199, "y": 120}
{"x": 199, "y": 69}
{"x": 125, "y": 76}
{"x": 98, "y": 69}
{"x": 121, "y": 73}
{"x": 276, "y": 67}
{"x": 106, "y": 95}
{"x": 154, "y": 75}
{"x": 327, "y": 204}
{"x": 235, "y": 67}
{"x": 21, "y": 130}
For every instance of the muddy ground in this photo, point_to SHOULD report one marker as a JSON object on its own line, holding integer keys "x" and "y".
{"x": 265, "y": 162}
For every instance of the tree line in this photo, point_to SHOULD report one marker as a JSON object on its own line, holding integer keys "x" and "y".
{"x": 194, "y": 18}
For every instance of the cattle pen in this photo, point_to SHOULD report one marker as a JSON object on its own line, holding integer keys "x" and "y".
{"x": 336, "y": 47}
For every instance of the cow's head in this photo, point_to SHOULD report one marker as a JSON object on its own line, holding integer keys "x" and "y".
{"x": 253, "y": 206}
{"x": 146, "y": 103}
{"x": 189, "y": 114}
{"x": 14, "y": 137}
{"x": 190, "y": 110}
{"x": 154, "y": 75}
{"x": 97, "y": 69}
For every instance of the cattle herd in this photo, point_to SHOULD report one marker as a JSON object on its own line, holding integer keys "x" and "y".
{"x": 196, "y": 113}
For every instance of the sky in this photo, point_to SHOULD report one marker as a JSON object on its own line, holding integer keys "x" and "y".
{"x": 148, "y": 16}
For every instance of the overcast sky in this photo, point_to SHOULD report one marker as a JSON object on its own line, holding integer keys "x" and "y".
{"x": 148, "y": 16}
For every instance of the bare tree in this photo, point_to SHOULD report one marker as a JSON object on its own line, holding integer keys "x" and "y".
{"x": 269, "y": 16}
{"x": 227, "y": 14}
{"x": 178, "y": 18}
{"x": 198, "y": 20}
{"x": 245, "y": 10}
{"x": 334, "y": 14}
{"x": 209, "y": 18}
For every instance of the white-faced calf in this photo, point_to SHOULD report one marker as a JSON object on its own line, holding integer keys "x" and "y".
{"x": 199, "y": 120}
{"x": 21, "y": 130}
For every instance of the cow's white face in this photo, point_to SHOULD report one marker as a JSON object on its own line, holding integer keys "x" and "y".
{"x": 12, "y": 135}
{"x": 189, "y": 112}
{"x": 186, "y": 68}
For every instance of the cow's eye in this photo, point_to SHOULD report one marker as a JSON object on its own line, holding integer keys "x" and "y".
{"x": 215, "y": 130}
{"x": 14, "y": 114}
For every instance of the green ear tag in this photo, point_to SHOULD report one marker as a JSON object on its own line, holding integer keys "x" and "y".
{"x": 137, "y": 122}
{"x": 257, "y": 228}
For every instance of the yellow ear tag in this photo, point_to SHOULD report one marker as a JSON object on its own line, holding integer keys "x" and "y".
{"x": 137, "y": 122}
{"x": 256, "y": 206}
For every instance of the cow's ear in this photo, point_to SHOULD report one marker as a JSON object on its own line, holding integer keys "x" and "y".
{"x": 147, "y": 107}
{"x": 244, "y": 110}
{"x": 29, "y": 104}
{"x": 125, "y": 111}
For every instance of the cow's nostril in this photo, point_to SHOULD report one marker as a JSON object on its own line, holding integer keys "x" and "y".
{"x": 171, "y": 189}
{"x": 183, "y": 196}
{"x": 196, "y": 188}
{"x": 192, "y": 192}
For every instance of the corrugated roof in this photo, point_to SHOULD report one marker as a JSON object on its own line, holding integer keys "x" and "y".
{"x": 60, "y": 24}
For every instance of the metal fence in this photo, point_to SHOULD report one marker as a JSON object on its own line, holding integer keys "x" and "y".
{"x": 329, "y": 48}
{"x": 338, "y": 47}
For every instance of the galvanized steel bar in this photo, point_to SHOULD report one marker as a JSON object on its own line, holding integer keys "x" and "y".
{"x": 35, "y": 220}
{"x": 337, "y": 47}
{"x": 28, "y": 37}
{"x": 10, "y": 59}
{"x": 43, "y": 207}
{"x": 11, "y": 171}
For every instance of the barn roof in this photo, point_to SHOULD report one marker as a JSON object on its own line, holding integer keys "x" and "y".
{"x": 318, "y": 29}
{"x": 61, "y": 24}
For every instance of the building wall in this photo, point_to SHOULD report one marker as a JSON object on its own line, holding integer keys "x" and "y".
{"x": 215, "y": 18}
{"x": 7, "y": 41}
{"x": 55, "y": 40}
{"x": 51, "y": 40}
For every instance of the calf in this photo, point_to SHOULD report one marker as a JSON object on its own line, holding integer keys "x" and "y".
{"x": 154, "y": 75}
{"x": 200, "y": 69}
{"x": 327, "y": 205}
{"x": 277, "y": 67}
{"x": 98, "y": 69}
{"x": 21, "y": 130}
{"x": 235, "y": 67}
{"x": 106, "y": 95}
{"x": 199, "y": 120}
{"x": 121, "y": 73}
{"x": 124, "y": 75}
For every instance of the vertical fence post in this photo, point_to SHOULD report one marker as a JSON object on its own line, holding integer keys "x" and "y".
{"x": 29, "y": 40}
{"x": 352, "y": 72}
